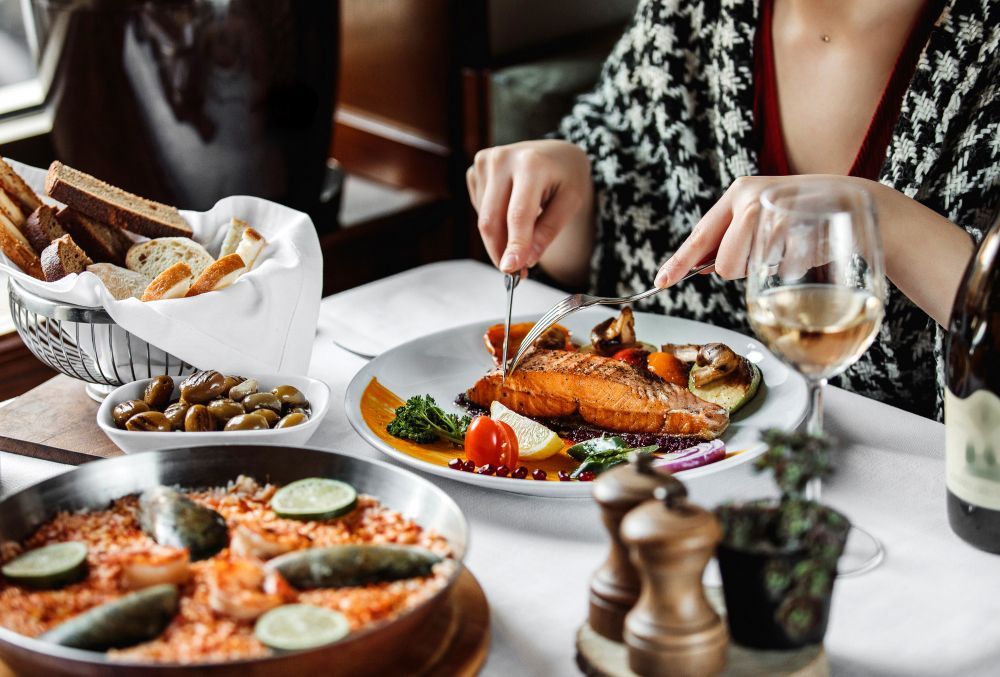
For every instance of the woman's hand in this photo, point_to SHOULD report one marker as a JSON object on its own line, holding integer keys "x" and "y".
{"x": 526, "y": 194}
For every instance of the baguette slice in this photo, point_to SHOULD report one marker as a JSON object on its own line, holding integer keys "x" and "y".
{"x": 219, "y": 275}
{"x": 105, "y": 244}
{"x": 154, "y": 256}
{"x": 10, "y": 209}
{"x": 251, "y": 245}
{"x": 112, "y": 205}
{"x": 172, "y": 283}
{"x": 63, "y": 257}
{"x": 42, "y": 228}
{"x": 233, "y": 237}
{"x": 121, "y": 283}
{"x": 14, "y": 245}
{"x": 12, "y": 184}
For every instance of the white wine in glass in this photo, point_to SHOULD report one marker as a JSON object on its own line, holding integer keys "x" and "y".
{"x": 815, "y": 290}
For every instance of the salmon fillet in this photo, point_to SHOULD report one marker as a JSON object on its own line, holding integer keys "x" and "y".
{"x": 604, "y": 392}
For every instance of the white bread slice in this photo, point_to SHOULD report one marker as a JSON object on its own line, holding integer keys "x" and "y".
{"x": 152, "y": 257}
{"x": 233, "y": 237}
{"x": 172, "y": 283}
{"x": 121, "y": 283}
{"x": 10, "y": 209}
{"x": 219, "y": 275}
{"x": 17, "y": 189}
{"x": 251, "y": 245}
{"x": 15, "y": 246}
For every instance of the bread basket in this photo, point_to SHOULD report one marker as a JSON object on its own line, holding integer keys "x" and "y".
{"x": 86, "y": 343}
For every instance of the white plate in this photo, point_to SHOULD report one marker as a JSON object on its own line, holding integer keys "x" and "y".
{"x": 449, "y": 362}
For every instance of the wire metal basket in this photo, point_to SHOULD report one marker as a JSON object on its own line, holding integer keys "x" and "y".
{"x": 86, "y": 344}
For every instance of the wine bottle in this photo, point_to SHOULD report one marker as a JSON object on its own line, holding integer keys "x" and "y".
{"x": 972, "y": 400}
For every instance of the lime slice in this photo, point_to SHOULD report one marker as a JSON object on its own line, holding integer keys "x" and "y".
{"x": 314, "y": 498}
{"x": 535, "y": 442}
{"x": 48, "y": 567}
{"x": 294, "y": 627}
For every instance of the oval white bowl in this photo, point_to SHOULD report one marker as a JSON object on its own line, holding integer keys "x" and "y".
{"x": 317, "y": 392}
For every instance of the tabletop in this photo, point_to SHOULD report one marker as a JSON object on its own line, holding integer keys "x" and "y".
{"x": 931, "y": 608}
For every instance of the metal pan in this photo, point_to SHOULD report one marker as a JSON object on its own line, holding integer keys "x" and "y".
{"x": 95, "y": 485}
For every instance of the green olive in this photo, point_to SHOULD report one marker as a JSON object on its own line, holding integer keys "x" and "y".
{"x": 269, "y": 415}
{"x": 292, "y": 420}
{"x": 149, "y": 421}
{"x": 198, "y": 419}
{"x": 224, "y": 409}
{"x": 229, "y": 382}
{"x": 247, "y": 422}
{"x": 290, "y": 396}
{"x": 175, "y": 413}
{"x": 262, "y": 401}
{"x": 305, "y": 411}
{"x": 158, "y": 392}
{"x": 123, "y": 411}
{"x": 241, "y": 390}
{"x": 202, "y": 387}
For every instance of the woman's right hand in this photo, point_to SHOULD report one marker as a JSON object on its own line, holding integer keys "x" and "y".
{"x": 525, "y": 194}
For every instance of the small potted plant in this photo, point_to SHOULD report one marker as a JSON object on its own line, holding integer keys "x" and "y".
{"x": 778, "y": 559}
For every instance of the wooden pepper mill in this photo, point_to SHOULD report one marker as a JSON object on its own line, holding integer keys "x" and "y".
{"x": 673, "y": 630}
{"x": 614, "y": 587}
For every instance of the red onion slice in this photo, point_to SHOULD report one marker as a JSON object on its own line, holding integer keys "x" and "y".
{"x": 692, "y": 457}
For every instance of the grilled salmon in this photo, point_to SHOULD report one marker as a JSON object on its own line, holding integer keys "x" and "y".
{"x": 604, "y": 392}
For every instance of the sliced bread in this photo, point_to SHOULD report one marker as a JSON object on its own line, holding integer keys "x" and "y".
{"x": 172, "y": 283}
{"x": 41, "y": 228}
{"x": 251, "y": 245}
{"x": 106, "y": 244}
{"x": 63, "y": 257}
{"x": 10, "y": 209}
{"x": 154, "y": 256}
{"x": 121, "y": 283}
{"x": 219, "y": 275}
{"x": 233, "y": 237}
{"x": 12, "y": 184}
{"x": 113, "y": 206}
{"x": 14, "y": 245}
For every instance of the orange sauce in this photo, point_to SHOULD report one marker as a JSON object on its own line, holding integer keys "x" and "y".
{"x": 378, "y": 408}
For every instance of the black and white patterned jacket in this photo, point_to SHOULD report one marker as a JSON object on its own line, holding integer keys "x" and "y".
{"x": 669, "y": 127}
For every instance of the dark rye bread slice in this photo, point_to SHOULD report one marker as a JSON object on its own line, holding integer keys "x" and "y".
{"x": 41, "y": 228}
{"x": 63, "y": 257}
{"x": 113, "y": 206}
{"x": 105, "y": 244}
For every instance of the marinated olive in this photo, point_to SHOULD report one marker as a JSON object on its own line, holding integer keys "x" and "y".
{"x": 158, "y": 392}
{"x": 198, "y": 419}
{"x": 262, "y": 401}
{"x": 305, "y": 411}
{"x": 241, "y": 390}
{"x": 202, "y": 387}
{"x": 123, "y": 411}
{"x": 247, "y": 422}
{"x": 270, "y": 416}
{"x": 149, "y": 421}
{"x": 224, "y": 409}
{"x": 291, "y": 420}
{"x": 229, "y": 383}
{"x": 290, "y": 396}
{"x": 175, "y": 414}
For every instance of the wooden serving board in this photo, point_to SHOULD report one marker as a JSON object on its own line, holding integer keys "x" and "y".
{"x": 55, "y": 422}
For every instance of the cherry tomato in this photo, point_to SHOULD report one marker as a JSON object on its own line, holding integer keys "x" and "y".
{"x": 634, "y": 356}
{"x": 509, "y": 450}
{"x": 490, "y": 442}
{"x": 669, "y": 368}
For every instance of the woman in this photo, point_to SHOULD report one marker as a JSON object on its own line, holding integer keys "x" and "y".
{"x": 702, "y": 105}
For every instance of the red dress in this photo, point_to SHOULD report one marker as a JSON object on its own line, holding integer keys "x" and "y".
{"x": 771, "y": 157}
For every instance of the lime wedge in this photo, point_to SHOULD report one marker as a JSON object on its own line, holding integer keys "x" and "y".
{"x": 48, "y": 567}
{"x": 314, "y": 498}
{"x": 294, "y": 627}
{"x": 535, "y": 441}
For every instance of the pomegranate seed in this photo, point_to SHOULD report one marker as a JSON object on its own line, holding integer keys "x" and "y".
{"x": 503, "y": 471}
{"x": 456, "y": 464}
{"x": 520, "y": 472}
{"x": 564, "y": 476}
{"x": 587, "y": 476}
{"x": 538, "y": 474}
{"x": 487, "y": 469}
{"x": 469, "y": 466}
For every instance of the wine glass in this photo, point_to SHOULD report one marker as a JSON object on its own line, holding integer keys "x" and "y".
{"x": 815, "y": 290}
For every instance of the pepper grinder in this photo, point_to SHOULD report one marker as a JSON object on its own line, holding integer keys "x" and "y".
{"x": 614, "y": 587}
{"x": 673, "y": 630}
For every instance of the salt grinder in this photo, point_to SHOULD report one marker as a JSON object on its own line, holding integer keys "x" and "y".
{"x": 614, "y": 588}
{"x": 673, "y": 630}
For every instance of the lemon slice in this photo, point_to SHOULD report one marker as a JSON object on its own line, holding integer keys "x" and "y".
{"x": 535, "y": 441}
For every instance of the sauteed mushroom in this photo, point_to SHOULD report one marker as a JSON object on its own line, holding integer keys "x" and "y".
{"x": 715, "y": 361}
{"x": 614, "y": 334}
{"x": 685, "y": 352}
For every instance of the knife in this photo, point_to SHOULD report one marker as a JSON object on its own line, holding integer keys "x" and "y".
{"x": 509, "y": 282}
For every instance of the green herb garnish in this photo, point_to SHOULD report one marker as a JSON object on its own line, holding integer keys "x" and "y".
{"x": 422, "y": 420}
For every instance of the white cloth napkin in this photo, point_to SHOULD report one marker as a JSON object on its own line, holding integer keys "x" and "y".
{"x": 265, "y": 322}
{"x": 372, "y": 318}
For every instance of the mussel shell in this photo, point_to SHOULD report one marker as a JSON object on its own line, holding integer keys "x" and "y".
{"x": 342, "y": 566}
{"x": 132, "y": 619}
{"x": 173, "y": 519}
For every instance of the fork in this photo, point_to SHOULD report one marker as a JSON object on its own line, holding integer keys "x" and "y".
{"x": 575, "y": 302}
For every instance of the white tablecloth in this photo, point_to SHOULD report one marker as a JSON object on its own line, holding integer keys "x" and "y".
{"x": 932, "y": 608}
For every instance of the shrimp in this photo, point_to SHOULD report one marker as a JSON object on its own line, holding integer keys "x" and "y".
{"x": 153, "y": 566}
{"x": 260, "y": 542}
{"x": 242, "y": 590}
